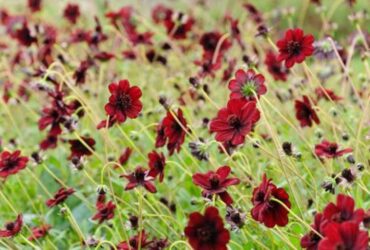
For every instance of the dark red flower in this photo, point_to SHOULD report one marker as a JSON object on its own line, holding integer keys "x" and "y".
{"x": 140, "y": 177}
{"x": 346, "y": 235}
{"x": 11, "y": 163}
{"x": 12, "y": 228}
{"x": 157, "y": 162}
{"x": 254, "y": 12}
{"x": 124, "y": 101}
{"x": 235, "y": 121}
{"x": 330, "y": 150}
{"x": 266, "y": 210}
{"x": 34, "y": 5}
{"x": 216, "y": 183}
{"x": 295, "y": 47}
{"x": 247, "y": 85}
{"x": 276, "y": 68}
{"x": 72, "y": 12}
{"x": 23, "y": 35}
{"x": 311, "y": 240}
{"x": 125, "y": 156}
{"x": 49, "y": 142}
{"x": 209, "y": 42}
{"x": 60, "y": 196}
{"x": 327, "y": 94}
{"x": 207, "y": 231}
{"x": 344, "y": 210}
{"x": 139, "y": 241}
{"x": 80, "y": 73}
{"x": 39, "y": 232}
{"x": 105, "y": 212}
{"x": 103, "y": 56}
{"x": 79, "y": 148}
{"x": 171, "y": 131}
{"x": 305, "y": 112}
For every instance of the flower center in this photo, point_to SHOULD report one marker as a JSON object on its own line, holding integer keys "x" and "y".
{"x": 10, "y": 226}
{"x": 333, "y": 148}
{"x": 206, "y": 233}
{"x": 123, "y": 101}
{"x": 260, "y": 197}
{"x": 214, "y": 181}
{"x": 234, "y": 122}
{"x": 294, "y": 48}
{"x": 139, "y": 175}
{"x": 249, "y": 88}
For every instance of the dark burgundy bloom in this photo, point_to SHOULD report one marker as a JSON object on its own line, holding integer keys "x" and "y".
{"x": 207, "y": 231}
{"x": 60, "y": 196}
{"x": 327, "y": 94}
{"x": 235, "y": 218}
{"x": 12, "y": 228}
{"x": 235, "y": 121}
{"x": 139, "y": 241}
{"x": 11, "y": 163}
{"x": 23, "y": 35}
{"x": 34, "y": 5}
{"x": 305, "y": 112}
{"x": 216, "y": 183}
{"x": 124, "y": 157}
{"x": 209, "y": 42}
{"x": 276, "y": 68}
{"x": 39, "y": 232}
{"x": 346, "y": 235}
{"x": 72, "y": 12}
{"x": 344, "y": 210}
{"x": 80, "y": 73}
{"x": 140, "y": 177}
{"x": 158, "y": 244}
{"x": 49, "y": 142}
{"x": 247, "y": 85}
{"x": 157, "y": 162}
{"x": 295, "y": 47}
{"x": 311, "y": 240}
{"x": 104, "y": 56}
{"x": 330, "y": 150}
{"x": 79, "y": 149}
{"x": 171, "y": 131}
{"x": 267, "y": 211}
{"x": 254, "y": 12}
{"x": 124, "y": 101}
{"x": 105, "y": 212}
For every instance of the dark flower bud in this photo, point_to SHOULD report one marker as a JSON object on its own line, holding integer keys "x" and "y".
{"x": 163, "y": 102}
{"x": 309, "y": 203}
{"x": 262, "y": 30}
{"x": 235, "y": 218}
{"x": 360, "y": 167}
{"x": 287, "y": 148}
{"x": 133, "y": 222}
{"x": 205, "y": 122}
{"x": 36, "y": 157}
{"x": 348, "y": 175}
{"x": 345, "y": 136}
{"x": 194, "y": 81}
{"x": 297, "y": 155}
{"x": 328, "y": 187}
{"x": 101, "y": 189}
{"x": 351, "y": 159}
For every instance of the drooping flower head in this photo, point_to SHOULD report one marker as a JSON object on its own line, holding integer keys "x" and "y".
{"x": 139, "y": 241}
{"x": 105, "y": 212}
{"x": 235, "y": 121}
{"x": 39, "y": 232}
{"x": 328, "y": 149}
{"x": 12, "y": 228}
{"x": 60, "y": 196}
{"x": 157, "y": 163}
{"x": 295, "y": 47}
{"x": 247, "y": 84}
{"x": 11, "y": 163}
{"x": 216, "y": 183}
{"x": 265, "y": 209}
{"x": 305, "y": 113}
{"x": 207, "y": 231}
{"x": 172, "y": 131}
